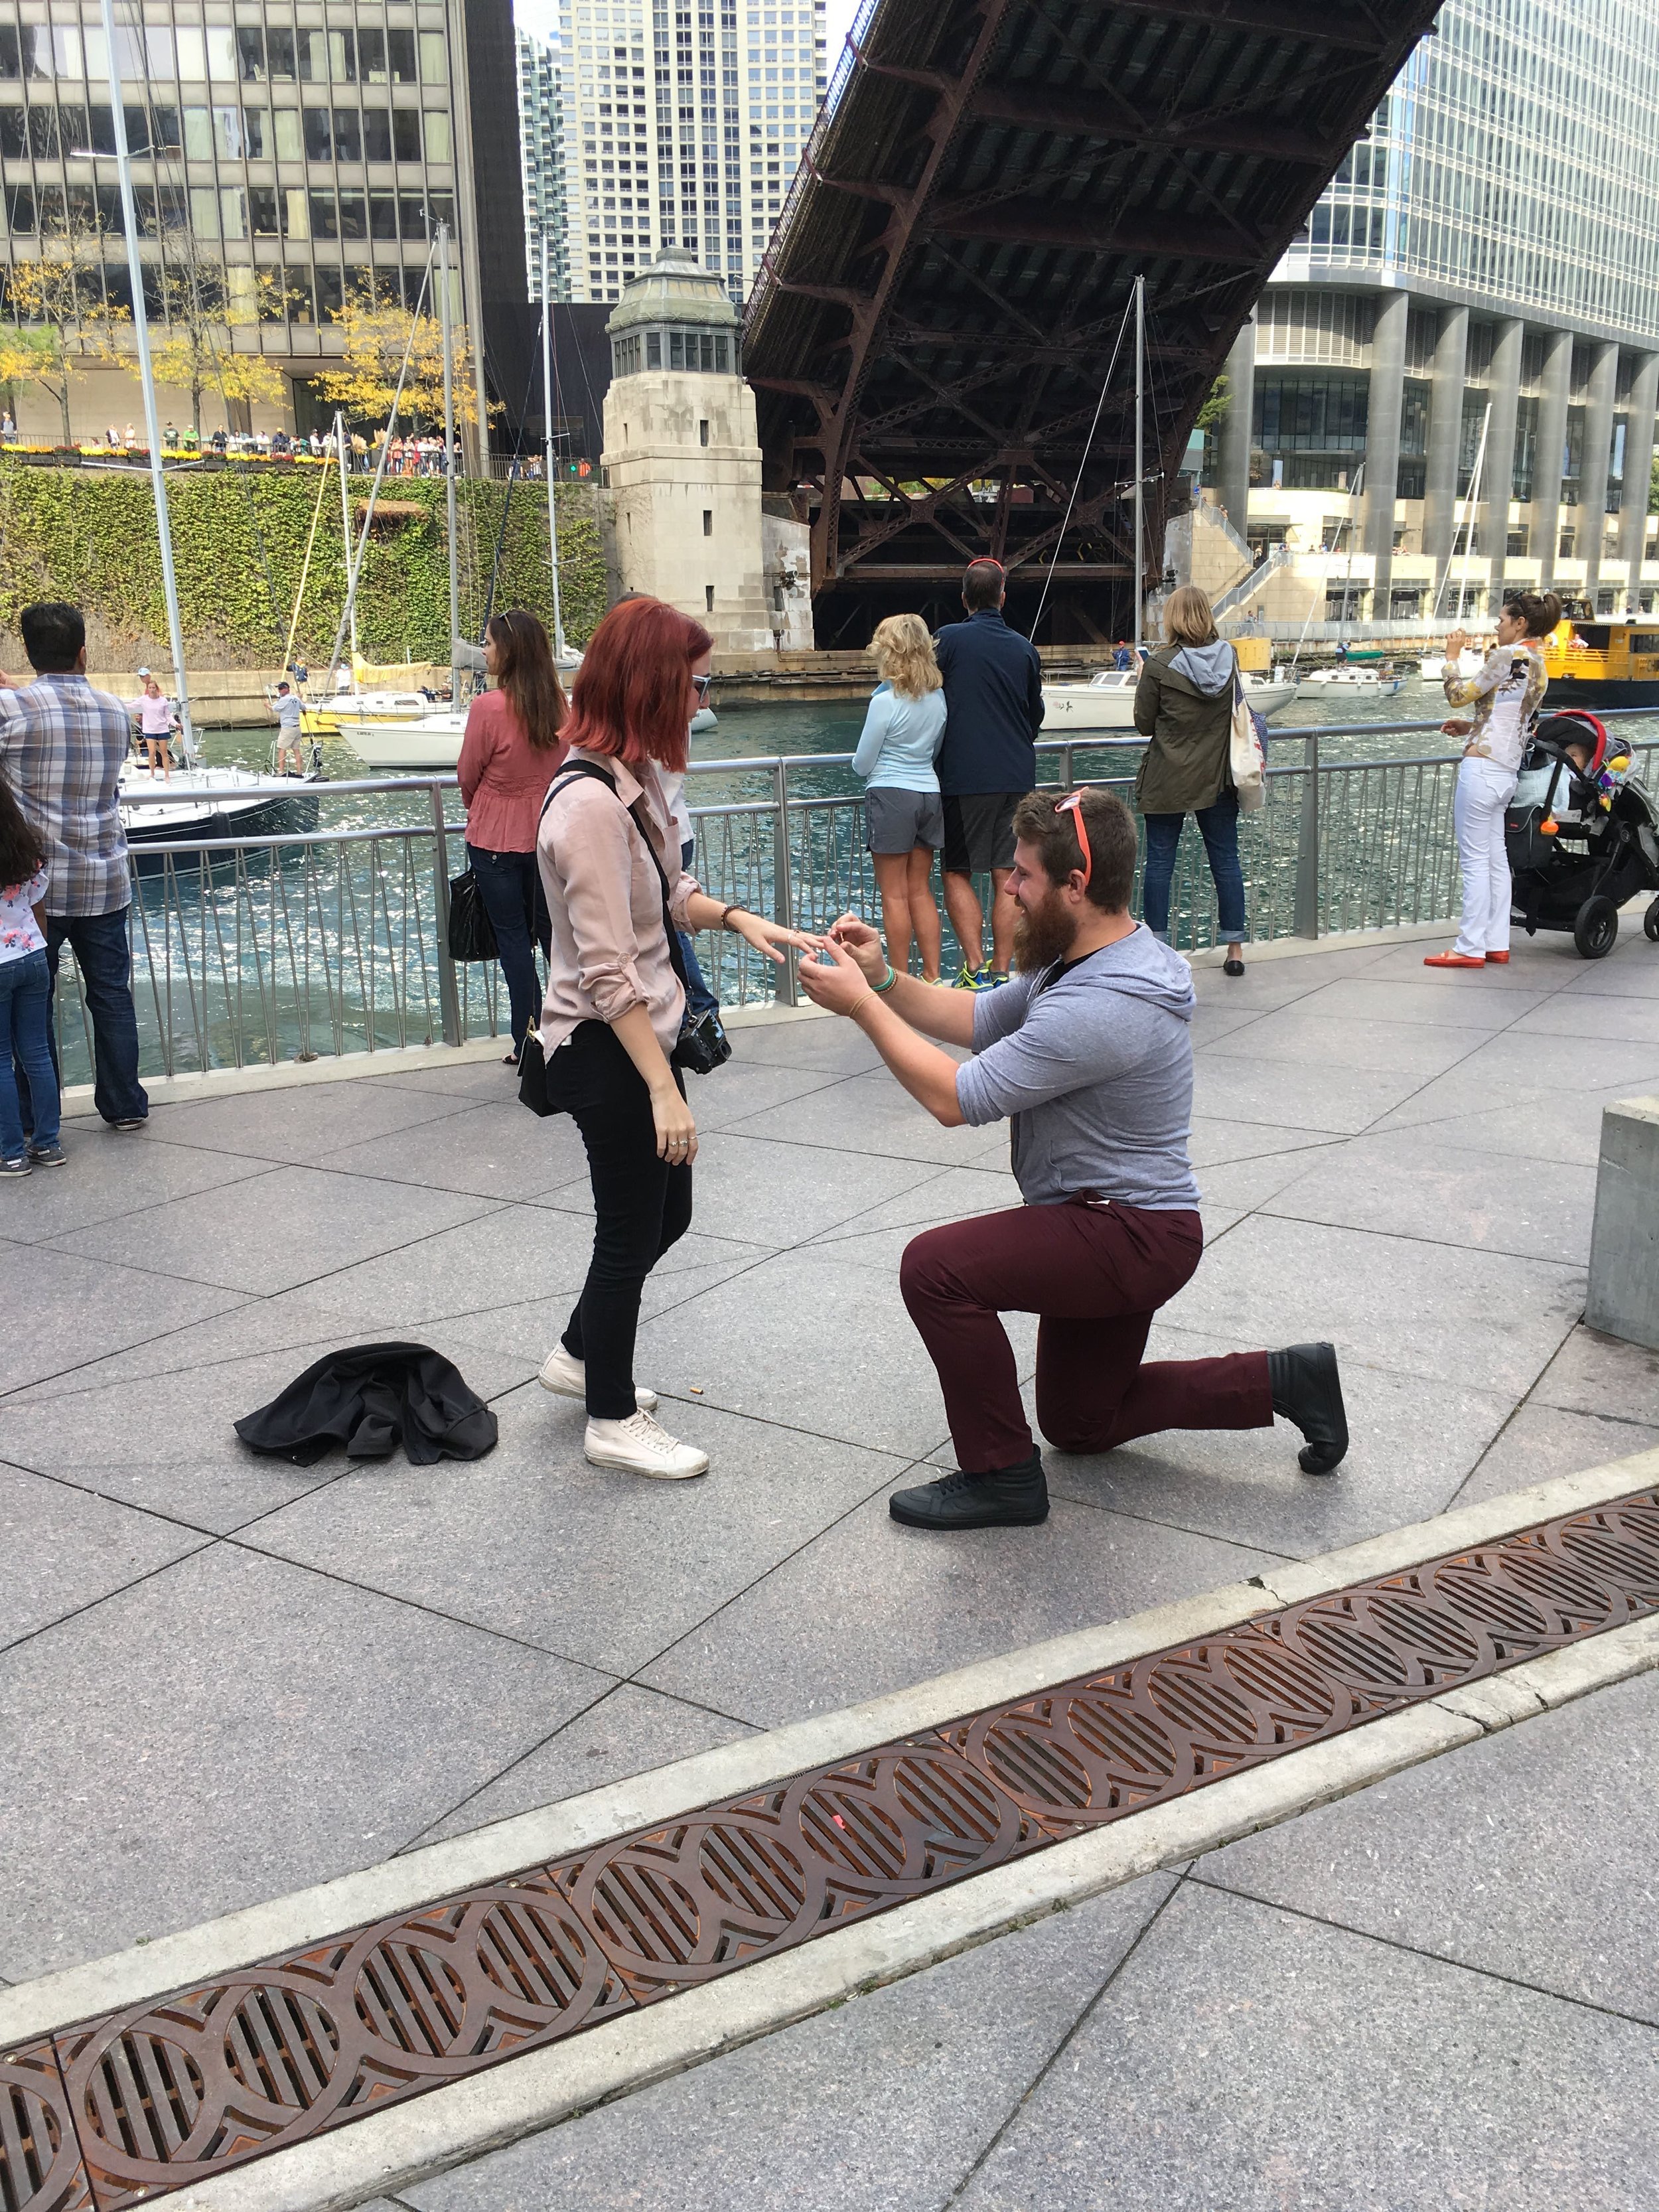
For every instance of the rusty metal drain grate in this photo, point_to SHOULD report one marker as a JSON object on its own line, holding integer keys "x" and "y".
{"x": 169, "y": 2093}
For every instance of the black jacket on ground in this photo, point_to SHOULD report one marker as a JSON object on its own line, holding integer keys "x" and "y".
{"x": 992, "y": 707}
{"x": 370, "y": 1398}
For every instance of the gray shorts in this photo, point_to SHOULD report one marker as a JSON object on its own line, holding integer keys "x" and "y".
{"x": 897, "y": 821}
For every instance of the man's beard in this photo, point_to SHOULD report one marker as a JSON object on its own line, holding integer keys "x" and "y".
{"x": 1044, "y": 934}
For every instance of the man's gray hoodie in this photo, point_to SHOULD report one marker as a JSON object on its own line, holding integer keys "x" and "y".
{"x": 1093, "y": 1061}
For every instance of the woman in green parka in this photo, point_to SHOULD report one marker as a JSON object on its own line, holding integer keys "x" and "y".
{"x": 1184, "y": 704}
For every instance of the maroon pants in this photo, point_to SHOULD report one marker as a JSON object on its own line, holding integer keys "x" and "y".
{"x": 1096, "y": 1275}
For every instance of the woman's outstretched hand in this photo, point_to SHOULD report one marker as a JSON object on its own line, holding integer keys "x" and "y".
{"x": 765, "y": 936}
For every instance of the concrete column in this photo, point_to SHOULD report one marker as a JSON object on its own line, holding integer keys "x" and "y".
{"x": 1555, "y": 393}
{"x": 1496, "y": 489}
{"x": 1623, "y": 1267}
{"x": 1598, "y": 448}
{"x": 1638, "y": 468}
{"x": 1382, "y": 443}
{"x": 1233, "y": 438}
{"x": 1445, "y": 434}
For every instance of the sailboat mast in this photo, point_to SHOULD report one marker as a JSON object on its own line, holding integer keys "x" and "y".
{"x": 1469, "y": 507}
{"x": 547, "y": 410}
{"x": 449, "y": 462}
{"x": 1140, "y": 461}
{"x": 345, "y": 534}
{"x": 146, "y": 379}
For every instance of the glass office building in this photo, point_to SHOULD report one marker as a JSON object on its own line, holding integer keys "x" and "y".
{"x": 1452, "y": 375}
{"x": 321, "y": 144}
{"x": 682, "y": 126}
{"x": 541, "y": 157}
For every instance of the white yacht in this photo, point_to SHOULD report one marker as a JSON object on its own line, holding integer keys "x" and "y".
{"x": 1107, "y": 701}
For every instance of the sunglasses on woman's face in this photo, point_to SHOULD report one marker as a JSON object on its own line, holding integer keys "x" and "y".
{"x": 700, "y": 684}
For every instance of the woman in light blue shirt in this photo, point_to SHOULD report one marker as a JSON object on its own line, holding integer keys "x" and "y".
{"x": 903, "y": 815}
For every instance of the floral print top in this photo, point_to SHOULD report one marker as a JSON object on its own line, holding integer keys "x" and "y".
{"x": 1506, "y": 695}
{"x": 19, "y": 933}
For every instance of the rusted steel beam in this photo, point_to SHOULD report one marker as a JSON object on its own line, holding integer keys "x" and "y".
{"x": 1354, "y": 28}
{"x": 1086, "y": 115}
{"x": 1100, "y": 230}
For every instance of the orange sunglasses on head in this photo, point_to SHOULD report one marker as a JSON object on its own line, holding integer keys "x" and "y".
{"x": 1073, "y": 806}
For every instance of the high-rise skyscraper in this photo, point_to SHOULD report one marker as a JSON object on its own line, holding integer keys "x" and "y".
{"x": 682, "y": 126}
{"x": 1476, "y": 294}
{"x": 541, "y": 154}
{"x": 320, "y": 147}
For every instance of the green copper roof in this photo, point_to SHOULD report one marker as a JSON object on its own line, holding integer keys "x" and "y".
{"x": 673, "y": 290}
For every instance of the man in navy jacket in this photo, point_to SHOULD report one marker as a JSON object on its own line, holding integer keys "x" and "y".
{"x": 994, "y": 710}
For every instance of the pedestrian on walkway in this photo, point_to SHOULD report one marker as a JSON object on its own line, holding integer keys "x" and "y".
{"x": 1506, "y": 696}
{"x": 994, "y": 710}
{"x": 903, "y": 817}
{"x": 25, "y": 996}
{"x": 1184, "y": 704}
{"x": 1088, "y": 1051}
{"x": 616, "y": 893}
{"x": 62, "y": 745}
{"x": 509, "y": 756}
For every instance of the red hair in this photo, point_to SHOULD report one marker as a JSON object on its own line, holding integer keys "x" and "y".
{"x": 628, "y": 698}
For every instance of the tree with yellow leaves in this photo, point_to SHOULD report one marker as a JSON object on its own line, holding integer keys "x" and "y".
{"x": 377, "y": 332}
{"x": 202, "y": 305}
{"x": 65, "y": 324}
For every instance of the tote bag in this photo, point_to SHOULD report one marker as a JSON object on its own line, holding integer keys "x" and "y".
{"x": 1247, "y": 755}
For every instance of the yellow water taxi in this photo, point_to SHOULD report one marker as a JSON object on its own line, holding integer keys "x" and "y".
{"x": 1605, "y": 660}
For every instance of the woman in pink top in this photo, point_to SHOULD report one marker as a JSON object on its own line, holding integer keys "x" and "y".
{"x": 512, "y": 748}
{"x": 610, "y": 863}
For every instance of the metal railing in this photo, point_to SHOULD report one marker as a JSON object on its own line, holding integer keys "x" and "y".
{"x": 279, "y": 947}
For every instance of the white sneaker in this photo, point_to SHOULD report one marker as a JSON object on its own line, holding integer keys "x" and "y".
{"x": 642, "y": 1447}
{"x": 567, "y": 1375}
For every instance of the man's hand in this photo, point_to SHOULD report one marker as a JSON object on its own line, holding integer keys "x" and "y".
{"x": 835, "y": 980}
{"x": 864, "y": 944}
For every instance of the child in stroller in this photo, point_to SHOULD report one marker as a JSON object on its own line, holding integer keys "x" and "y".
{"x": 1581, "y": 834}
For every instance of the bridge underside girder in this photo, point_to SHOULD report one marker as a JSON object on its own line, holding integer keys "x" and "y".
{"x": 931, "y": 337}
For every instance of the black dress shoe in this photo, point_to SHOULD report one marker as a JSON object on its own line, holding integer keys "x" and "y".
{"x": 1308, "y": 1390}
{"x": 1232, "y": 967}
{"x": 1011, "y": 1497}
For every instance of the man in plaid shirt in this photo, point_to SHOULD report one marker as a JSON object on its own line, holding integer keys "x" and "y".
{"x": 62, "y": 745}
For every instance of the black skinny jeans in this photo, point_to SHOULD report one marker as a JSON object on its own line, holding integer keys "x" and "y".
{"x": 640, "y": 1206}
{"x": 510, "y": 886}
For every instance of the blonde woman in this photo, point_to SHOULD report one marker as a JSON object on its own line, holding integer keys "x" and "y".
{"x": 903, "y": 814}
{"x": 1184, "y": 704}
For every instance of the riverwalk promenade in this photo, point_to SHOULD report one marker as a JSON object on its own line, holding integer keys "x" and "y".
{"x": 224, "y": 1680}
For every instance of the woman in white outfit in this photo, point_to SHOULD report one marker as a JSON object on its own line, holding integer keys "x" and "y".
{"x": 1505, "y": 696}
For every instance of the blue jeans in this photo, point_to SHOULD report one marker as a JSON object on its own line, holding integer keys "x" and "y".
{"x": 25, "y": 1026}
{"x": 510, "y": 886}
{"x": 99, "y": 942}
{"x": 1219, "y": 826}
{"x": 699, "y": 999}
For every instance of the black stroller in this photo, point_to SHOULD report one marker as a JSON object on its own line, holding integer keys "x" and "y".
{"x": 1581, "y": 834}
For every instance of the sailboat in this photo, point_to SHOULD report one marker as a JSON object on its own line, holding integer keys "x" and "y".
{"x": 209, "y": 802}
{"x": 1432, "y": 666}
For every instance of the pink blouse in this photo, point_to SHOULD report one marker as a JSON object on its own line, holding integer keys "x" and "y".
{"x": 503, "y": 778}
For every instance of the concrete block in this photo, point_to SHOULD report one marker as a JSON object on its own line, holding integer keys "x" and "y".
{"x": 1624, "y": 1269}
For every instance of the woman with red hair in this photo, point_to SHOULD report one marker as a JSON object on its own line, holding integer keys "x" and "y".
{"x": 610, "y": 862}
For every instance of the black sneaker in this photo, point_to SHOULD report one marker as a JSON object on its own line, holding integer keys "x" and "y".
{"x": 1013, "y": 1498}
{"x": 47, "y": 1156}
{"x": 1308, "y": 1390}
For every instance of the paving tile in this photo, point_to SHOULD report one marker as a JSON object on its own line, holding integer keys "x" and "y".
{"x": 306, "y": 1223}
{"x": 1596, "y": 1374}
{"x": 745, "y": 1087}
{"x": 496, "y": 1150}
{"x": 1528, "y": 1854}
{"x": 66, "y": 1550}
{"x": 1412, "y": 1183}
{"x": 1533, "y": 1125}
{"x": 1486, "y": 1321}
{"x": 628, "y": 1731}
{"x": 872, "y": 1607}
{"x": 1581, "y": 1014}
{"x": 487, "y": 1079}
{"x": 166, "y": 1441}
{"x": 1311, "y": 1041}
{"x": 1412, "y": 1442}
{"x": 881, "y": 2105}
{"x": 1323, "y": 1098}
{"x": 1470, "y": 1007}
{"x": 299, "y": 1124}
{"x": 1542, "y": 1442}
{"x": 1544, "y": 962}
{"x": 813, "y": 1342}
{"x": 838, "y": 1046}
{"x": 1633, "y": 972}
{"x": 1532, "y": 1072}
{"x": 947, "y": 1194}
{"x": 869, "y": 1115}
{"x": 107, "y": 1179}
{"x": 1248, "y": 1183}
{"x": 1248, "y": 2059}
{"x": 1213, "y": 1019}
{"x": 599, "y": 1565}
{"x": 233, "y": 1729}
{"x": 1215, "y": 1139}
{"x": 77, "y": 1309}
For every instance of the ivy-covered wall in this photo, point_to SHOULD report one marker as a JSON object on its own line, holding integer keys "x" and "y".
{"x": 239, "y": 547}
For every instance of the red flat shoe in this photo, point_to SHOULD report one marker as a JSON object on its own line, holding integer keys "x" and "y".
{"x": 1498, "y": 959}
{"x": 1453, "y": 960}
